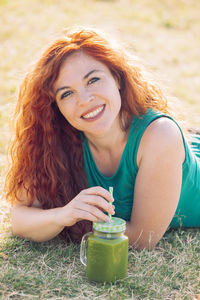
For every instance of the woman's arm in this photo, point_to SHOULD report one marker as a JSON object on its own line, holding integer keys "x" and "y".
{"x": 158, "y": 183}
{"x": 40, "y": 225}
{"x": 34, "y": 223}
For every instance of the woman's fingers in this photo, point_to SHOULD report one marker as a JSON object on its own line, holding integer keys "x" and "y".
{"x": 90, "y": 204}
{"x": 94, "y": 211}
{"x": 100, "y": 197}
{"x": 98, "y": 190}
{"x": 96, "y": 201}
{"x": 84, "y": 215}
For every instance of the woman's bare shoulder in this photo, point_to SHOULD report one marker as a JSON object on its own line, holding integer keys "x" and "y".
{"x": 161, "y": 134}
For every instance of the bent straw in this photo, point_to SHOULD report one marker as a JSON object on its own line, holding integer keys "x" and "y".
{"x": 111, "y": 191}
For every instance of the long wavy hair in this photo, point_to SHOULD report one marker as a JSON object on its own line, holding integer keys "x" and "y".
{"x": 47, "y": 155}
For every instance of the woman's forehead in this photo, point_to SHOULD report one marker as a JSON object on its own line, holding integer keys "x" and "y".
{"x": 77, "y": 66}
{"x": 81, "y": 59}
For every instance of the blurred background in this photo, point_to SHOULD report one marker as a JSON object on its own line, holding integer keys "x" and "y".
{"x": 164, "y": 34}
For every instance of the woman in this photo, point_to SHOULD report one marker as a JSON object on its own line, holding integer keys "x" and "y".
{"x": 87, "y": 119}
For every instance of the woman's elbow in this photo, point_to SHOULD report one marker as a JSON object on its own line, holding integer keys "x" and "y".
{"x": 18, "y": 228}
{"x": 142, "y": 239}
{"x": 142, "y": 244}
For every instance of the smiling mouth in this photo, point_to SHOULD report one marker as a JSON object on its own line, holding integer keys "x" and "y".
{"x": 94, "y": 114}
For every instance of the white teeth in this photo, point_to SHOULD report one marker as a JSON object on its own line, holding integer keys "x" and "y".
{"x": 93, "y": 113}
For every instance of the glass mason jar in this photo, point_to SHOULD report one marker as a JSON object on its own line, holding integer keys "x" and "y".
{"x": 104, "y": 251}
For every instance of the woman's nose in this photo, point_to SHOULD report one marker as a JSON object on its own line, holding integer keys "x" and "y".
{"x": 84, "y": 96}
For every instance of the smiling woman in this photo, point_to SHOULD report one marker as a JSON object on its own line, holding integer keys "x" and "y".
{"x": 88, "y": 119}
{"x": 88, "y": 95}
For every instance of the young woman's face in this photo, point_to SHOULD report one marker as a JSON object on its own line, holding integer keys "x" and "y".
{"x": 87, "y": 94}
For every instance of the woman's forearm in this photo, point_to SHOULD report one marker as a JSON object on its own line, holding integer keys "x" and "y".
{"x": 41, "y": 225}
{"x": 35, "y": 223}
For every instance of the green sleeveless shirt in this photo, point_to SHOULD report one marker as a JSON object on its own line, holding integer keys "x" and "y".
{"x": 188, "y": 210}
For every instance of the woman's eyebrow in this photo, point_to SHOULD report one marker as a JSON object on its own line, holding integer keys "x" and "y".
{"x": 61, "y": 88}
{"x": 85, "y": 77}
{"x": 89, "y": 73}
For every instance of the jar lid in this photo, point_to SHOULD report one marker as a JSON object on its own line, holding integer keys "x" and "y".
{"x": 113, "y": 226}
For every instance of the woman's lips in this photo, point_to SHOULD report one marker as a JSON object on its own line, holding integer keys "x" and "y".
{"x": 94, "y": 114}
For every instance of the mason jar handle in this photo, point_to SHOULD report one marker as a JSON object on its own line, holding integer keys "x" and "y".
{"x": 83, "y": 249}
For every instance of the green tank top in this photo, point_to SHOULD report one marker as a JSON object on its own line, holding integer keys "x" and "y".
{"x": 188, "y": 210}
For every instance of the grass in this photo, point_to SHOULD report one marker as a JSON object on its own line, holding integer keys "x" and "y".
{"x": 37, "y": 271}
{"x": 165, "y": 34}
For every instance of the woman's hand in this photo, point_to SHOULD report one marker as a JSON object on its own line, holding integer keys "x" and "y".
{"x": 90, "y": 204}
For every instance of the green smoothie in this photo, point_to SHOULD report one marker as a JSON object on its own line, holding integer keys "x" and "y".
{"x": 107, "y": 259}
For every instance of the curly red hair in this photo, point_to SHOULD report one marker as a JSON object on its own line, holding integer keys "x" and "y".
{"x": 47, "y": 157}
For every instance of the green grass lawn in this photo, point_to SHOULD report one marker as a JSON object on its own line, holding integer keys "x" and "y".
{"x": 165, "y": 35}
{"x": 52, "y": 270}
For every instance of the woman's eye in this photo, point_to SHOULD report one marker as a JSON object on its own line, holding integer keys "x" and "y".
{"x": 93, "y": 79}
{"x": 66, "y": 94}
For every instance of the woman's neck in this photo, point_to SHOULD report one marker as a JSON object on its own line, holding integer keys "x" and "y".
{"x": 108, "y": 142}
